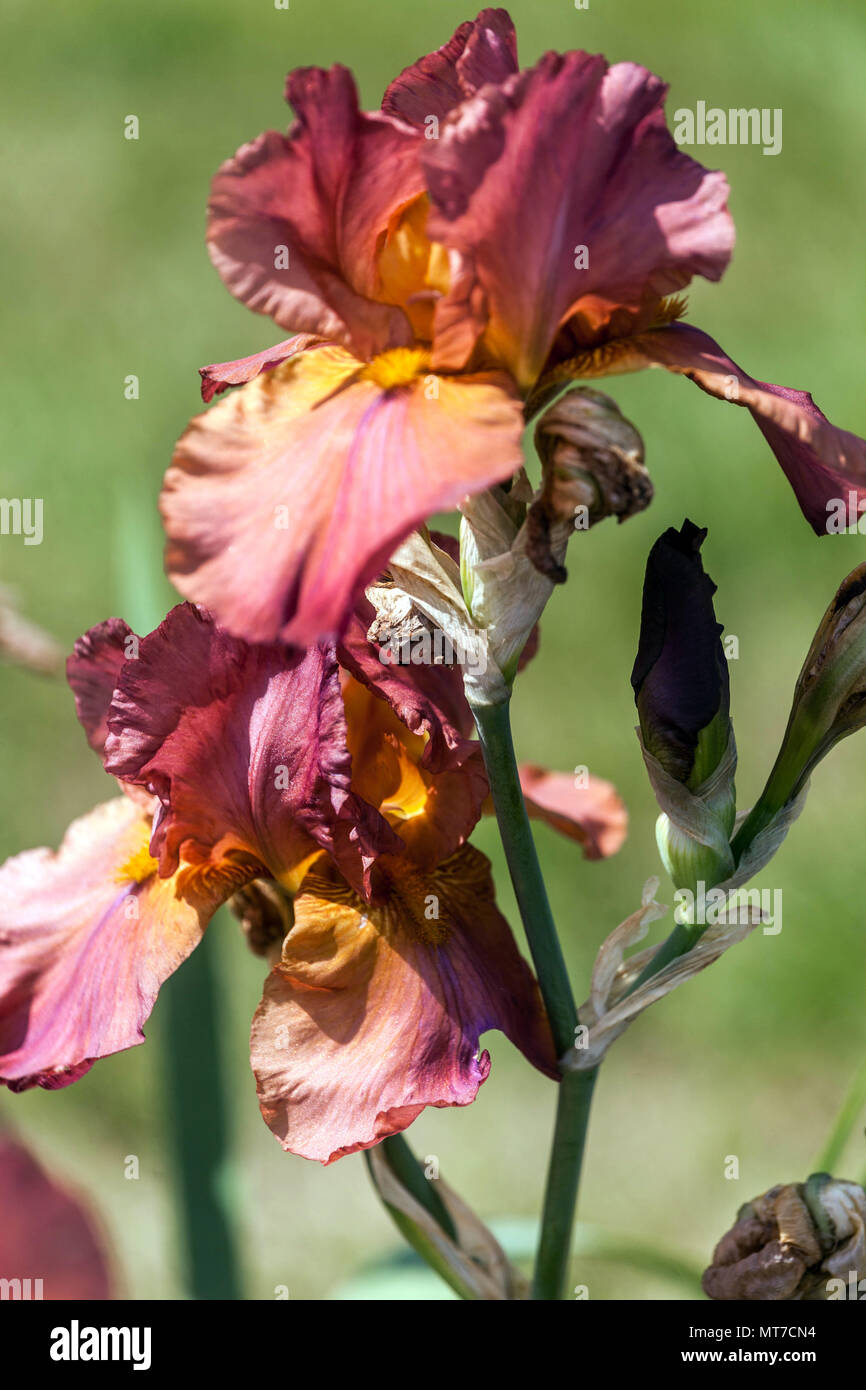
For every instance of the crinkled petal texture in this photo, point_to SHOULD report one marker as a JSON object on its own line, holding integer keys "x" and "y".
{"x": 589, "y": 810}
{"x": 567, "y": 154}
{"x": 219, "y": 376}
{"x": 93, "y": 670}
{"x": 87, "y": 936}
{"x": 374, "y": 1013}
{"x": 296, "y": 221}
{"x": 285, "y": 499}
{"x": 481, "y": 50}
{"x": 46, "y": 1233}
{"x": 429, "y": 699}
{"x": 245, "y": 747}
{"x": 821, "y": 462}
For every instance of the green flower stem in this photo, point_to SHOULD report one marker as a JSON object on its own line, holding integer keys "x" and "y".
{"x": 762, "y": 813}
{"x": 679, "y": 943}
{"x": 197, "y": 1091}
{"x": 852, "y": 1108}
{"x": 575, "y": 1089}
{"x": 494, "y": 731}
{"x": 563, "y": 1179}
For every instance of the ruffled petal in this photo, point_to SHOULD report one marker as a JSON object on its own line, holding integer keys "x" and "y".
{"x": 87, "y": 936}
{"x": 245, "y": 747}
{"x": 593, "y": 813}
{"x": 47, "y": 1236}
{"x": 822, "y": 463}
{"x": 375, "y": 1013}
{"x": 92, "y": 672}
{"x": 296, "y": 221}
{"x": 286, "y": 498}
{"x": 479, "y": 51}
{"x": 571, "y": 153}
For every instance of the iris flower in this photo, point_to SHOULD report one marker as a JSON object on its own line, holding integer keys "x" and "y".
{"x": 447, "y": 264}
{"x": 344, "y": 789}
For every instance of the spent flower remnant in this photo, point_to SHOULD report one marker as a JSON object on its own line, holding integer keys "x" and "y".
{"x": 798, "y": 1242}
{"x": 348, "y": 788}
{"x": 425, "y": 256}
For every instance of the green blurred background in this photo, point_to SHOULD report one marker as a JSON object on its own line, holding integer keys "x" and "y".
{"x": 105, "y": 274}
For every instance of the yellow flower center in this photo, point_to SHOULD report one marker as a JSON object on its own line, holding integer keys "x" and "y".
{"x": 139, "y": 867}
{"x": 397, "y": 367}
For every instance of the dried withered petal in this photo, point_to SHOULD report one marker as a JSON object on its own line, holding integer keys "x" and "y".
{"x": 770, "y": 1274}
{"x": 781, "y": 1248}
{"x": 592, "y": 466}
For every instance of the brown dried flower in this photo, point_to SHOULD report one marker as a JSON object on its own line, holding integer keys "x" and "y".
{"x": 798, "y": 1242}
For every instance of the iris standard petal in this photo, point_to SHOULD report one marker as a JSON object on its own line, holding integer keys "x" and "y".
{"x": 481, "y": 50}
{"x": 296, "y": 221}
{"x": 567, "y": 155}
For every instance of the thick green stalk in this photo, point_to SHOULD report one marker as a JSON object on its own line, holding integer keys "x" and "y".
{"x": 563, "y": 1180}
{"x": 494, "y": 731}
{"x": 575, "y": 1089}
{"x": 679, "y": 943}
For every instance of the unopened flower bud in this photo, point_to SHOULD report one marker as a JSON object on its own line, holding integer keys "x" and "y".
{"x": 829, "y": 704}
{"x": 803, "y": 1241}
{"x": 680, "y": 682}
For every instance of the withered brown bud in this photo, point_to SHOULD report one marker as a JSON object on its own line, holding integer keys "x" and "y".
{"x": 266, "y": 916}
{"x": 592, "y": 467}
{"x": 399, "y": 624}
{"x": 799, "y": 1242}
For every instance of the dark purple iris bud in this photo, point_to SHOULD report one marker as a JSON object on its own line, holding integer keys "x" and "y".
{"x": 680, "y": 675}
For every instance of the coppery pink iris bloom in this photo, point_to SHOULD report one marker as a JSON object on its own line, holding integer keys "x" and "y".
{"x": 351, "y": 788}
{"x": 425, "y": 254}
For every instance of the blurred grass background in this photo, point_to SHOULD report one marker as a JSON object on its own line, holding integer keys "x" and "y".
{"x": 105, "y": 275}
